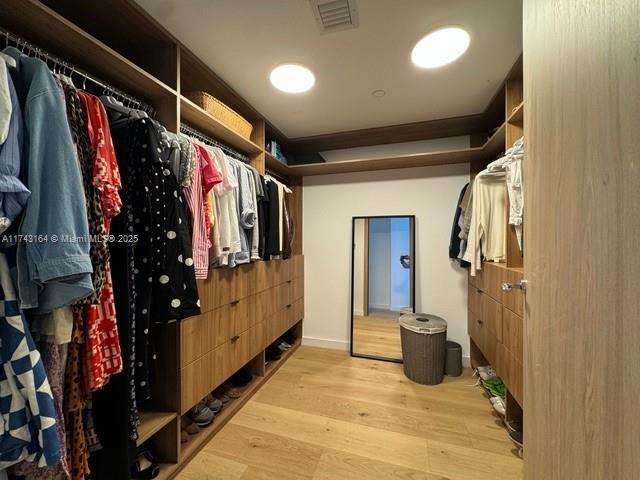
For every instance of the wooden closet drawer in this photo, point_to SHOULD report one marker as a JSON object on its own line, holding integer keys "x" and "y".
{"x": 206, "y": 293}
{"x": 513, "y": 299}
{"x": 220, "y": 367}
{"x": 297, "y": 266}
{"x": 196, "y": 381}
{"x": 262, "y": 276}
{"x": 491, "y": 347}
{"x": 282, "y": 271}
{"x": 492, "y": 277}
{"x": 219, "y": 325}
{"x": 512, "y": 333}
{"x": 194, "y": 338}
{"x": 475, "y": 295}
{"x": 238, "y": 351}
{"x": 273, "y": 327}
{"x": 256, "y": 335}
{"x": 242, "y": 315}
{"x": 244, "y": 283}
{"x": 297, "y": 288}
{"x": 283, "y": 296}
{"x": 491, "y": 314}
{"x": 477, "y": 330}
{"x": 266, "y": 303}
{"x": 222, "y": 279}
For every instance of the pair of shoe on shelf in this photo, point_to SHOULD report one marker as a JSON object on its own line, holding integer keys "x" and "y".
{"x": 516, "y": 435}
{"x": 145, "y": 466}
{"x": 276, "y": 349}
{"x": 200, "y": 416}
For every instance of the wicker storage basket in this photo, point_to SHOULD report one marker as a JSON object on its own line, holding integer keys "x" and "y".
{"x": 423, "y": 339}
{"x": 221, "y": 112}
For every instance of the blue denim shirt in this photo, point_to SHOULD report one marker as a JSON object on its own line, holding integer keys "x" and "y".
{"x": 13, "y": 193}
{"x": 54, "y": 271}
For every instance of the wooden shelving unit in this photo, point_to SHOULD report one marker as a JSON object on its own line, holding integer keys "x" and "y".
{"x": 45, "y": 28}
{"x": 517, "y": 116}
{"x": 275, "y": 165}
{"x": 151, "y": 423}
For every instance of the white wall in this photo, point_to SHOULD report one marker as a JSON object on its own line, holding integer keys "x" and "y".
{"x": 330, "y": 202}
{"x": 379, "y": 263}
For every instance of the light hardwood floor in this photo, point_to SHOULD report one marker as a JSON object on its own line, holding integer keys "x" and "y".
{"x": 327, "y": 416}
{"x": 377, "y": 334}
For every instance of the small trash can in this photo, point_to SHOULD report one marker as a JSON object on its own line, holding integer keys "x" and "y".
{"x": 423, "y": 340}
{"x": 453, "y": 361}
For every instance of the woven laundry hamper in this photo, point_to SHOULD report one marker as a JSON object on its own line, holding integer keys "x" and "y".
{"x": 424, "y": 339}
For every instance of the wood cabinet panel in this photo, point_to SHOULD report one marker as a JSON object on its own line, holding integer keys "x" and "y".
{"x": 512, "y": 333}
{"x": 298, "y": 310}
{"x": 283, "y": 296}
{"x": 244, "y": 282}
{"x": 256, "y": 336}
{"x": 194, "y": 333}
{"x": 239, "y": 351}
{"x": 220, "y": 367}
{"x": 242, "y": 313}
{"x": 297, "y": 288}
{"x": 513, "y": 299}
{"x": 223, "y": 285}
{"x": 475, "y": 296}
{"x": 196, "y": 382}
{"x": 491, "y": 314}
{"x": 297, "y": 266}
{"x": 262, "y": 276}
{"x": 206, "y": 293}
{"x": 492, "y": 278}
{"x": 266, "y": 303}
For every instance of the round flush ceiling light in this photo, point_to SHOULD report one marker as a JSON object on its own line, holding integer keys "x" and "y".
{"x": 292, "y": 78}
{"x": 440, "y": 47}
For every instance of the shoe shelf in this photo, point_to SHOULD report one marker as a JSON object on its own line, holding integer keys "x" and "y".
{"x": 151, "y": 423}
{"x": 271, "y": 367}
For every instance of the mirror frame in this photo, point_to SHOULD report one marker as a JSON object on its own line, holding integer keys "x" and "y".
{"x": 413, "y": 280}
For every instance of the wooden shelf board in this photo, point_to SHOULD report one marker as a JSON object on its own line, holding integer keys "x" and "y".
{"x": 151, "y": 423}
{"x": 197, "y": 442}
{"x": 275, "y": 165}
{"x": 387, "y": 163}
{"x": 517, "y": 116}
{"x": 42, "y": 26}
{"x": 495, "y": 144}
{"x": 199, "y": 119}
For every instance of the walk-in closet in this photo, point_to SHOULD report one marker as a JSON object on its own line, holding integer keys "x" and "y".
{"x": 319, "y": 239}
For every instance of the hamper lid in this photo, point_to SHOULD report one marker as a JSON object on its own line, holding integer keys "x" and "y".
{"x": 423, "y": 323}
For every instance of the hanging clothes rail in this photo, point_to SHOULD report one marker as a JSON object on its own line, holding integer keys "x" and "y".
{"x": 192, "y": 132}
{"x": 68, "y": 69}
{"x": 277, "y": 176}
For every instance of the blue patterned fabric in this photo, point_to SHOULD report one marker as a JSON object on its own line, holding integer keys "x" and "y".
{"x": 27, "y": 410}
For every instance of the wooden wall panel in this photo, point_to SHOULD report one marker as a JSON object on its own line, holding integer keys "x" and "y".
{"x": 582, "y": 181}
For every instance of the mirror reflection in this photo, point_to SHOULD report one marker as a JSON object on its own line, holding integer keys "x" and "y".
{"x": 382, "y": 284}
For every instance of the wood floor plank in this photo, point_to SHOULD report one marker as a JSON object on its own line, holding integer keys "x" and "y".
{"x": 327, "y": 416}
{"x": 396, "y": 448}
{"x": 209, "y": 466}
{"x": 335, "y": 465}
{"x": 460, "y": 463}
{"x": 278, "y": 455}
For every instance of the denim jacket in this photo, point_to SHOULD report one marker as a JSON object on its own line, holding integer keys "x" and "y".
{"x": 54, "y": 268}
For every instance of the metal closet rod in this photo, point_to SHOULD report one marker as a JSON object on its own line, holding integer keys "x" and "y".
{"x": 36, "y": 51}
{"x": 192, "y": 132}
{"x": 277, "y": 176}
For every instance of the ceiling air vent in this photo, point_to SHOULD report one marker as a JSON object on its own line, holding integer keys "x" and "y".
{"x": 335, "y": 15}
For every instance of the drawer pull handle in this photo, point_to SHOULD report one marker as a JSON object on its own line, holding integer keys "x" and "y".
{"x": 235, "y": 302}
{"x": 289, "y": 306}
{"x": 480, "y": 291}
{"x": 480, "y": 322}
{"x": 521, "y": 285}
{"x": 234, "y": 338}
{"x": 289, "y": 281}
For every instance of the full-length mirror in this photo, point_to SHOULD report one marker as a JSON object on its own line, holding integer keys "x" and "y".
{"x": 382, "y": 284}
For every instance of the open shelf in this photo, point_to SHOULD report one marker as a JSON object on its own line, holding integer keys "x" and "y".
{"x": 494, "y": 146}
{"x": 275, "y": 165}
{"x": 517, "y": 116}
{"x": 47, "y": 29}
{"x": 273, "y": 366}
{"x": 151, "y": 423}
{"x": 199, "y": 119}
{"x": 386, "y": 163}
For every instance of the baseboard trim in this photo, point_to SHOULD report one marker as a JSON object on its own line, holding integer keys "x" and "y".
{"x": 325, "y": 343}
{"x": 466, "y": 361}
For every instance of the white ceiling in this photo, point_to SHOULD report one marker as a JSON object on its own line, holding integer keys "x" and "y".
{"x": 242, "y": 40}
